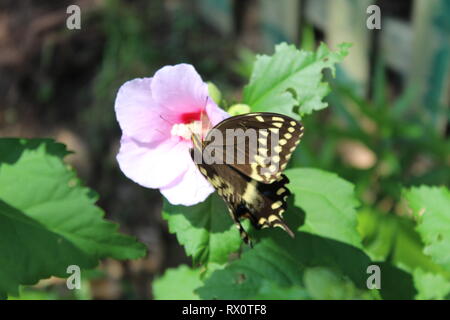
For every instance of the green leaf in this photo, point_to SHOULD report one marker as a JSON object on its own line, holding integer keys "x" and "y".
{"x": 246, "y": 277}
{"x": 177, "y": 284}
{"x": 329, "y": 203}
{"x": 388, "y": 236}
{"x": 27, "y": 293}
{"x": 328, "y": 239}
{"x": 431, "y": 286}
{"x": 431, "y": 207}
{"x": 214, "y": 93}
{"x": 291, "y": 77}
{"x": 324, "y": 284}
{"x": 205, "y": 230}
{"x": 279, "y": 261}
{"x": 48, "y": 220}
{"x": 378, "y": 232}
{"x": 272, "y": 291}
{"x": 396, "y": 284}
{"x": 238, "y": 109}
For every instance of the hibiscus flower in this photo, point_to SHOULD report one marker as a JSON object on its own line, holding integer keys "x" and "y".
{"x": 157, "y": 116}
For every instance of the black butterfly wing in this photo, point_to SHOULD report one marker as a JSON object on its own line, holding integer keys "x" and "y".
{"x": 263, "y": 204}
{"x": 266, "y": 156}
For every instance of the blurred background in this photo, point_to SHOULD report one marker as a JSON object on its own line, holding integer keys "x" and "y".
{"x": 387, "y": 124}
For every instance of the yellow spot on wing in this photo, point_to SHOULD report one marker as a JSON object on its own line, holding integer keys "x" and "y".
{"x": 216, "y": 181}
{"x": 276, "y": 205}
{"x": 250, "y": 192}
{"x": 274, "y": 130}
{"x": 264, "y": 133}
{"x": 262, "y": 221}
{"x": 277, "y": 224}
{"x": 262, "y": 151}
{"x": 260, "y": 160}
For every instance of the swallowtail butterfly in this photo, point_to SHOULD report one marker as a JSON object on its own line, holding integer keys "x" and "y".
{"x": 254, "y": 188}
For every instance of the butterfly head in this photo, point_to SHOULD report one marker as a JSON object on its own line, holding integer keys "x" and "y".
{"x": 192, "y": 129}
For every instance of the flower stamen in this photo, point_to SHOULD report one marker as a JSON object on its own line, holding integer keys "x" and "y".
{"x": 186, "y": 130}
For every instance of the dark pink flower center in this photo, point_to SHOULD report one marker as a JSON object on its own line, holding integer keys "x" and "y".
{"x": 189, "y": 123}
{"x": 190, "y": 117}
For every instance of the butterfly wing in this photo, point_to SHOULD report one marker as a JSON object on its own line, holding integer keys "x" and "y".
{"x": 263, "y": 204}
{"x": 261, "y": 156}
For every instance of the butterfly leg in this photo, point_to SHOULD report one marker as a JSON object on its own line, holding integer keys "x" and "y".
{"x": 244, "y": 235}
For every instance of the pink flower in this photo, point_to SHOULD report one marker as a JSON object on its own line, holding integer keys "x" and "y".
{"x": 157, "y": 116}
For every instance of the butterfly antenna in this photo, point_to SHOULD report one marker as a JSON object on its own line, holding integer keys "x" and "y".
{"x": 166, "y": 120}
{"x": 202, "y": 114}
{"x": 159, "y": 131}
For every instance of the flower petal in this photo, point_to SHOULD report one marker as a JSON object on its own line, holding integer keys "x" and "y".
{"x": 138, "y": 114}
{"x": 153, "y": 165}
{"x": 188, "y": 190}
{"x": 180, "y": 89}
{"x": 215, "y": 114}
